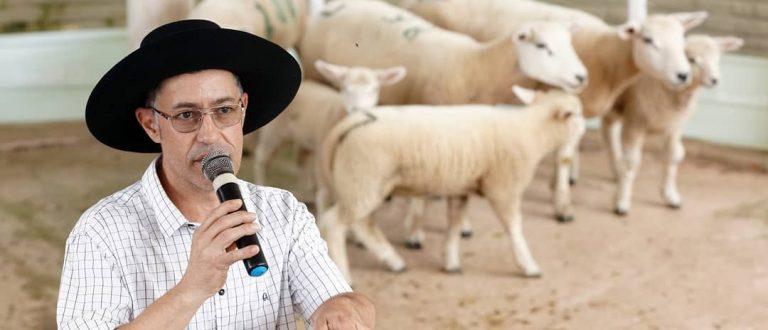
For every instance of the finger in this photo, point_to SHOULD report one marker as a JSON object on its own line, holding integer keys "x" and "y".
{"x": 231, "y": 220}
{"x": 240, "y": 254}
{"x": 230, "y": 235}
{"x": 218, "y": 212}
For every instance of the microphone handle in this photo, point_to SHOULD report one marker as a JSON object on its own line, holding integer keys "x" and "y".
{"x": 256, "y": 265}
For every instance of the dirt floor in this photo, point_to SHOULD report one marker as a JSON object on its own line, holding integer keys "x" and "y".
{"x": 702, "y": 267}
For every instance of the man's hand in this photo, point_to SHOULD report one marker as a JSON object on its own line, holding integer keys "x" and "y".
{"x": 345, "y": 311}
{"x": 213, "y": 249}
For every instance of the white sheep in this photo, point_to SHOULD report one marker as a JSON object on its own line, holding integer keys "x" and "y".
{"x": 315, "y": 110}
{"x": 447, "y": 151}
{"x": 614, "y": 56}
{"x": 281, "y": 21}
{"x": 143, "y": 16}
{"x": 443, "y": 67}
{"x": 650, "y": 107}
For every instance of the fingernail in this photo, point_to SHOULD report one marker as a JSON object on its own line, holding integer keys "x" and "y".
{"x": 253, "y": 216}
{"x": 255, "y": 226}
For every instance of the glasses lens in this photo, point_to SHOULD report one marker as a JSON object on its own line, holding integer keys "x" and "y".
{"x": 227, "y": 115}
{"x": 186, "y": 121}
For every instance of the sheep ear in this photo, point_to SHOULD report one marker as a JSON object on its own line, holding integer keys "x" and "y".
{"x": 627, "y": 30}
{"x": 692, "y": 19}
{"x": 334, "y": 73}
{"x": 729, "y": 44}
{"x": 523, "y": 34}
{"x": 525, "y": 95}
{"x": 391, "y": 76}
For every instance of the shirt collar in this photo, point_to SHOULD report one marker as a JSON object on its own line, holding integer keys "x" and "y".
{"x": 168, "y": 216}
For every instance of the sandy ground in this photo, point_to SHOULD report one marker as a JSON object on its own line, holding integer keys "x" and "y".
{"x": 701, "y": 267}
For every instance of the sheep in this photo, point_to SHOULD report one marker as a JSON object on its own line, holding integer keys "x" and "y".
{"x": 282, "y": 21}
{"x": 143, "y": 16}
{"x": 614, "y": 56}
{"x": 314, "y": 111}
{"x": 649, "y": 107}
{"x": 447, "y": 151}
{"x": 443, "y": 67}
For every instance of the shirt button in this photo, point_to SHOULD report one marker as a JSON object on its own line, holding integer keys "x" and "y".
{"x": 221, "y": 292}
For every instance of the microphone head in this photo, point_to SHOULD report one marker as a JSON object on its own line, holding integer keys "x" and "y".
{"x": 215, "y": 163}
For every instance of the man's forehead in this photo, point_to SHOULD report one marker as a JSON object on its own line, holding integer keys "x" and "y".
{"x": 188, "y": 87}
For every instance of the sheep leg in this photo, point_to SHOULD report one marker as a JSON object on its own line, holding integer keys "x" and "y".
{"x": 413, "y": 223}
{"x": 334, "y": 230}
{"x": 457, "y": 207}
{"x": 563, "y": 207}
{"x": 371, "y": 236}
{"x": 675, "y": 155}
{"x": 611, "y": 129}
{"x": 509, "y": 213}
{"x": 466, "y": 225}
{"x": 264, "y": 153}
{"x": 307, "y": 179}
{"x": 573, "y": 174}
{"x": 632, "y": 141}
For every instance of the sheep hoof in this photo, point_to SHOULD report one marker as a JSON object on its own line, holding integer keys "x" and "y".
{"x": 399, "y": 270}
{"x": 466, "y": 233}
{"x": 572, "y": 181}
{"x": 413, "y": 245}
{"x": 620, "y": 212}
{"x": 452, "y": 270}
{"x": 675, "y": 206}
{"x": 533, "y": 274}
{"x": 563, "y": 218}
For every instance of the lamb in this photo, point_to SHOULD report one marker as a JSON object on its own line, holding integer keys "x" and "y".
{"x": 282, "y": 22}
{"x": 614, "y": 56}
{"x": 447, "y": 151}
{"x": 443, "y": 67}
{"x": 316, "y": 109}
{"x": 649, "y": 107}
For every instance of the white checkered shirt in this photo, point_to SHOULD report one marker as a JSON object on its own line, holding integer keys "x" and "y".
{"x": 133, "y": 246}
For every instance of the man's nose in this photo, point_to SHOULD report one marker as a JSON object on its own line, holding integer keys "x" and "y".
{"x": 208, "y": 131}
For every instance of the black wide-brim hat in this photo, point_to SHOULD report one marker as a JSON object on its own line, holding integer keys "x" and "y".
{"x": 268, "y": 73}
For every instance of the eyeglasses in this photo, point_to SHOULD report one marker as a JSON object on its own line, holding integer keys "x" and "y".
{"x": 186, "y": 121}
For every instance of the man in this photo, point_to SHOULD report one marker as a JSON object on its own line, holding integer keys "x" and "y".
{"x": 159, "y": 254}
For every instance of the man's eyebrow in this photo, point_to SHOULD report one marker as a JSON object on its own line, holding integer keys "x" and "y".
{"x": 219, "y": 101}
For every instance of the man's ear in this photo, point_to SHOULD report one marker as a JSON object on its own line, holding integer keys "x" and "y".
{"x": 146, "y": 119}
{"x": 245, "y": 105}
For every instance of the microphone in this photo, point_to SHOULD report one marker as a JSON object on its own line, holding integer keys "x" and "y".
{"x": 217, "y": 167}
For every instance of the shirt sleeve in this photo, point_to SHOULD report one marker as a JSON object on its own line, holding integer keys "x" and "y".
{"x": 92, "y": 294}
{"x": 314, "y": 277}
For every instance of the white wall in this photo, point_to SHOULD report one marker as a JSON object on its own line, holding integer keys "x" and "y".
{"x": 47, "y": 76}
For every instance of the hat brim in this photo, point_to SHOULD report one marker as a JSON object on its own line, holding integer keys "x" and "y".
{"x": 268, "y": 73}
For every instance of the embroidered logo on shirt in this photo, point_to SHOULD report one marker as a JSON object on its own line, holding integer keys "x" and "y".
{"x": 264, "y": 297}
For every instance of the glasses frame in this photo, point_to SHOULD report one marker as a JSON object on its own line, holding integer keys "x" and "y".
{"x": 203, "y": 112}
